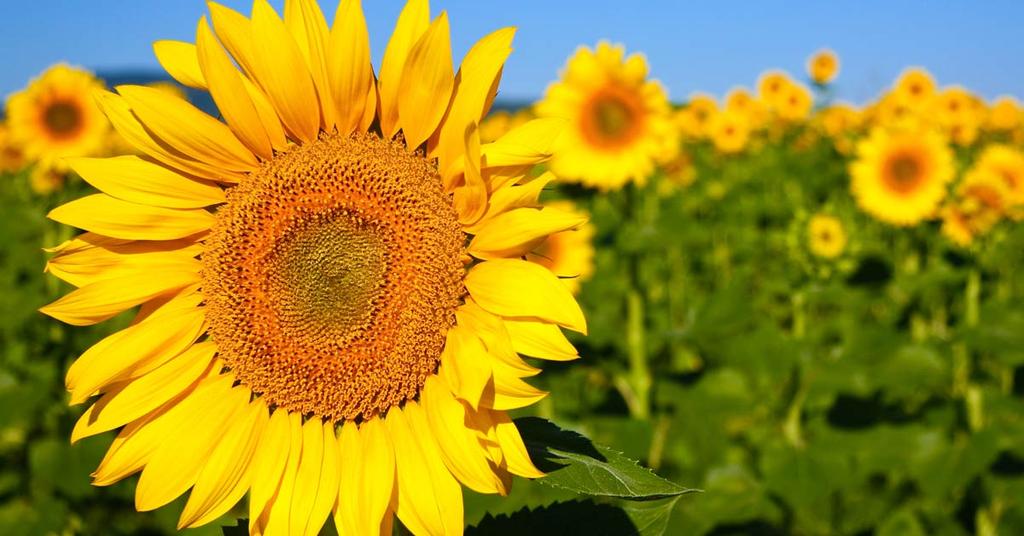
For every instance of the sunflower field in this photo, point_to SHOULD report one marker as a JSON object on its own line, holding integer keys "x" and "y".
{"x": 282, "y": 290}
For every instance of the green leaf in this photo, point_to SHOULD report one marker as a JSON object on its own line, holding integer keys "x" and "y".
{"x": 574, "y": 463}
{"x": 580, "y": 517}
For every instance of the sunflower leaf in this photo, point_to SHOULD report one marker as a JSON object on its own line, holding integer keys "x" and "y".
{"x": 573, "y": 462}
{"x": 581, "y": 517}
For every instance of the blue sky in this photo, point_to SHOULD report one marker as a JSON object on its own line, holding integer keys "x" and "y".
{"x": 691, "y": 46}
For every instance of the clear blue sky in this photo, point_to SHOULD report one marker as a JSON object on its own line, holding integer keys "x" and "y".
{"x": 691, "y": 46}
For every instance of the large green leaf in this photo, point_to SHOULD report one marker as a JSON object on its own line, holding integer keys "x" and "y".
{"x": 581, "y": 517}
{"x": 572, "y": 462}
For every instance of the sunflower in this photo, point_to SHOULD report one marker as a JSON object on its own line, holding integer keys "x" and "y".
{"x": 1005, "y": 114}
{"x": 914, "y": 88}
{"x": 695, "y": 118}
{"x": 740, "y": 100}
{"x": 826, "y": 236}
{"x": 45, "y": 179}
{"x": 1007, "y": 163}
{"x": 618, "y": 120}
{"x": 794, "y": 103}
{"x": 12, "y": 158}
{"x": 900, "y": 176}
{"x": 823, "y": 66}
{"x": 569, "y": 254}
{"x": 979, "y": 204}
{"x": 332, "y": 285}
{"x": 729, "y": 131}
{"x": 55, "y": 116}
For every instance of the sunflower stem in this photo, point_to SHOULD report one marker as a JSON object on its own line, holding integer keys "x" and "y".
{"x": 640, "y": 374}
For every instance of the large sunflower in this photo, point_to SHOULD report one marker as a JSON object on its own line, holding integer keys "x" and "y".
{"x": 332, "y": 282}
{"x": 55, "y": 116}
{"x": 900, "y": 177}
{"x": 618, "y": 121}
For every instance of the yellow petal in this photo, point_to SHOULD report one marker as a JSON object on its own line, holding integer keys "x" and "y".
{"x": 226, "y": 476}
{"x": 137, "y": 442}
{"x": 465, "y": 365}
{"x": 429, "y": 497}
{"x": 99, "y": 301}
{"x": 229, "y": 93}
{"x": 471, "y": 198}
{"x": 508, "y": 391}
{"x": 510, "y": 195}
{"x": 282, "y": 73}
{"x": 269, "y": 464}
{"x": 516, "y": 456}
{"x": 520, "y": 230}
{"x": 130, "y": 400}
{"x": 95, "y": 257}
{"x": 351, "y": 74}
{"x": 476, "y": 79}
{"x": 490, "y": 328}
{"x": 307, "y": 24}
{"x": 316, "y": 479}
{"x": 176, "y": 463}
{"x": 427, "y": 81}
{"x": 516, "y": 289}
{"x": 528, "y": 144}
{"x": 133, "y": 179}
{"x": 540, "y": 340}
{"x": 187, "y": 129}
{"x": 235, "y": 31}
{"x": 412, "y": 22}
{"x": 367, "y": 478}
{"x": 268, "y": 116}
{"x": 277, "y": 519}
{"x": 179, "y": 60}
{"x": 106, "y": 215}
{"x": 460, "y": 447}
{"x": 129, "y": 127}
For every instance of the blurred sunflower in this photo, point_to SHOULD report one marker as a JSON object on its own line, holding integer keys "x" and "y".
{"x": 771, "y": 87}
{"x": 568, "y": 254}
{"x": 914, "y": 88}
{"x": 618, "y": 120}
{"x": 826, "y": 236}
{"x": 979, "y": 204}
{"x": 12, "y": 158}
{"x": 740, "y": 100}
{"x": 696, "y": 116}
{"x": 55, "y": 116}
{"x": 729, "y": 131}
{"x": 1005, "y": 114}
{"x": 341, "y": 331}
{"x": 823, "y": 66}
{"x": 795, "y": 102}
{"x": 839, "y": 119}
{"x": 900, "y": 177}
{"x": 1007, "y": 163}
{"x": 45, "y": 179}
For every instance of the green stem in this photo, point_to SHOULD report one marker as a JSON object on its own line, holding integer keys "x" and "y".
{"x": 799, "y": 303}
{"x": 640, "y": 375}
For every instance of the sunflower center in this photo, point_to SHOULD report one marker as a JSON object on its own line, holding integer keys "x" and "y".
{"x": 62, "y": 118}
{"x": 903, "y": 171}
{"x": 332, "y": 276}
{"x": 611, "y": 119}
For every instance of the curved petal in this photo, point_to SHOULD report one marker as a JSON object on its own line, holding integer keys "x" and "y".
{"x": 540, "y": 339}
{"x": 306, "y": 22}
{"x": 136, "y": 180}
{"x": 427, "y": 81}
{"x": 99, "y": 301}
{"x": 515, "y": 289}
{"x": 269, "y": 462}
{"x": 518, "y": 231}
{"x": 412, "y": 22}
{"x": 106, "y": 215}
{"x": 367, "y": 480}
{"x": 178, "y": 58}
{"x": 351, "y": 74}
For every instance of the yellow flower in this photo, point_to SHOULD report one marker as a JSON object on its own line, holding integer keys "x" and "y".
{"x": 55, "y": 116}
{"x": 823, "y": 66}
{"x": 795, "y": 102}
{"x": 568, "y": 254}
{"x": 826, "y": 236}
{"x": 839, "y": 119}
{"x": 1005, "y": 114}
{"x": 696, "y": 116}
{"x": 979, "y": 205}
{"x": 741, "y": 101}
{"x": 914, "y": 88}
{"x": 1006, "y": 163}
{"x": 900, "y": 177}
{"x": 333, "y": 297}
{"x": 45, "y": 179}
{"x": 729, "y": 132}
{"x": 12, "y": 158}
{"x": 618, "y": 120}
{"x": 772, "y": 87}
